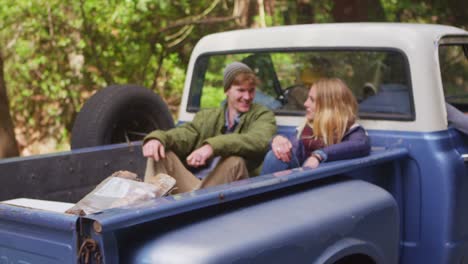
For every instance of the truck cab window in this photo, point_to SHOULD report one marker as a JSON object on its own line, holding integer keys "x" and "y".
{"x": 454, "y": 73}
{"x": 378, "y": 78}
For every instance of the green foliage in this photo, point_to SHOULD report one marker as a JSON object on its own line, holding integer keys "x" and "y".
{"x": 212, "y": 97}
{"x": 57, "y": 53}
{"x": 417, "y": 11}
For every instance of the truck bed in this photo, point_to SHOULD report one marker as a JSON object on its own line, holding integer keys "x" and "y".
{"x": 67, "y": 233}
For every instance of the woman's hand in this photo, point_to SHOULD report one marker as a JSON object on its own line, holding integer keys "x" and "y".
{"x": 282, "y": 147}
{"x": 312, "y": 162}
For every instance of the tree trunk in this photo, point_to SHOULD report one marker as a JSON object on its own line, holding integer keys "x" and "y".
{"x": 305, "y": 12}
{"x": 261, "y": 13}
{"x": 8, "y": 145}
{"x": 459, "y": 10}
{"x": 245, "y": 10}
{"x": 358, "y": 11}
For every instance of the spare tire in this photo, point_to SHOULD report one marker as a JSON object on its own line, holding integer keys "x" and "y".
{"x": 119, "y": 113}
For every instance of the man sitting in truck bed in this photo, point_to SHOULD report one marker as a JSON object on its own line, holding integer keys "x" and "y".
{"x": 227, "y": 143}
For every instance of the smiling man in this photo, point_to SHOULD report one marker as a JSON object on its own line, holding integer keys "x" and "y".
{"x": 220, "y": 145}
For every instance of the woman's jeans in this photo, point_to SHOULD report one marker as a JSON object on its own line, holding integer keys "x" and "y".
{"x": 272, "y": 164}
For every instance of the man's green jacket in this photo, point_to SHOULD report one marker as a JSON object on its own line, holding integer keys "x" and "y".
{"x": 249, "y": 140}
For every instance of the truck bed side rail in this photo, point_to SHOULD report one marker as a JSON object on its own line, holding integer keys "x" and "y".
{"x": 166, "y": 206}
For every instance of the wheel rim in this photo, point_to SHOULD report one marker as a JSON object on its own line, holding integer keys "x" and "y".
{"x": 132, "y": 126}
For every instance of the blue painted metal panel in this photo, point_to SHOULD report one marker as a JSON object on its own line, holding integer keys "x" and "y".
{"x": 432, "y": 195}
{"x": 67, "y": 176}
{"x": 115, "y": 220}
{"x": 122, "y": 217}
{"x": 318, "y": 224}
{"x": 431, "y": 188}
{"x": 428, "y": 182}
{"x": 37, "y": 236}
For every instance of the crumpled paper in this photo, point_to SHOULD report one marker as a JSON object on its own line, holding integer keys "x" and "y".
{"x": 122, "y": 188}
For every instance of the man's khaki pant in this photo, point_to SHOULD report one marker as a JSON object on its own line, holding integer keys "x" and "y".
{"x": 228, "y": 170}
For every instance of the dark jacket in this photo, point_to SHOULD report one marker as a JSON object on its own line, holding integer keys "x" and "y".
{"x": 354, "y": 144}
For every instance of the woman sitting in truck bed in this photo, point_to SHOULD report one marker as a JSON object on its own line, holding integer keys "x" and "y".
{"x": 329, "y": 132}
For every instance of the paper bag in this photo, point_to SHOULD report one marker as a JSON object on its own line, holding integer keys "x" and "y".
{"x": 120, "y": 189}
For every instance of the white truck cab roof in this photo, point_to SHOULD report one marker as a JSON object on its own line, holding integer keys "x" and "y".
{"x": 418, "y": 42}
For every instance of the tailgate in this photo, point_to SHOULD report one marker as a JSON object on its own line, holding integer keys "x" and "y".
{"x": 37, "y": 236}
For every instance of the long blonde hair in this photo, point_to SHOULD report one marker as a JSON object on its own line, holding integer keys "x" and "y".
{"x": 335, "y": 110}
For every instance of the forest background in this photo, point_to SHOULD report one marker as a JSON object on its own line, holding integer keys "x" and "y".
{"x": 55, "y": 54}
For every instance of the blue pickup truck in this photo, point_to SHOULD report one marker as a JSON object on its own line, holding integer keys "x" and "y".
{"x": 407, "y": 202}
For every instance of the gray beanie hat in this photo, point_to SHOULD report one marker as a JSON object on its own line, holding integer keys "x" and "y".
{"x": 232, "y": 70}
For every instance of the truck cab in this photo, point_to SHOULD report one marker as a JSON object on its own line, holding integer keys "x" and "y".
{"x": 402, "y": 76}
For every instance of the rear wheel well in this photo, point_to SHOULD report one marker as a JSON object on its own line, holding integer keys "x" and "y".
{"x": 355, "y": 259}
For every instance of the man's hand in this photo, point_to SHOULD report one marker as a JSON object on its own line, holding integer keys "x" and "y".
{"x": 199, "y": 156}
{"x": 154, "y": 149}
{"x": 311, "y": 162}
{"x": 281, "y": 147}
